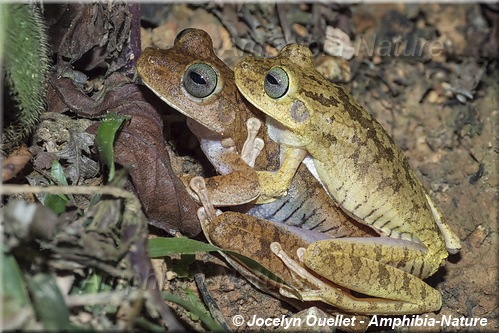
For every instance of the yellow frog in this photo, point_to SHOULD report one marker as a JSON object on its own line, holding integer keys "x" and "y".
{"x": 363, "y": 171}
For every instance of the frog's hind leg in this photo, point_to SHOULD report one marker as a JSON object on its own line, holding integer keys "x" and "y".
{"x": 298, "y": 271}
{"x": 384, "y": 268}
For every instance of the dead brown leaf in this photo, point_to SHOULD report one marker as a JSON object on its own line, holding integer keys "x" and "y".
{"x": 81, "y": 33}
{"x": 92, "y": 76}
{"x": 141, "y": 147}
{"x": 15, "y": 162}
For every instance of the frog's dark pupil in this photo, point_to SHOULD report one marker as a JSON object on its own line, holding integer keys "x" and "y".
{"x": 271, "y": 79}
{"x": 197, "y": 78}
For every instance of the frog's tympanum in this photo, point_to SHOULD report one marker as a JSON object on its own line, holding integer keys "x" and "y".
{"x": 369, "y": 177}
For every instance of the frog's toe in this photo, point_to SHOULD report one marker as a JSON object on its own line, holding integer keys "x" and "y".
{"x": 198, "y": 185}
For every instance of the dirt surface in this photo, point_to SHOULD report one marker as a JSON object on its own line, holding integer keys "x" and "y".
{"x": 452, "y": 145}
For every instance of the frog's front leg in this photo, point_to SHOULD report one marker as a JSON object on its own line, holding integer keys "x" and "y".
{"x": 381, "y": 267}
{"x": 275, "y": 184}
{"x": 239, "y": 184}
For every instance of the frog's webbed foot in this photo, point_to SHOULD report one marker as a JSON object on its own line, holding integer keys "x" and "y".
{"x": 206, "y": 214}
{"x": 452, "y": 242}
{"x": 296, "y": 270}
{"x": 253, "y": 145}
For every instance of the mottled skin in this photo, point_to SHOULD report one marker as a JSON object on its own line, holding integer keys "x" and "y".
{"x": 222, "y": 117}
{"x": 367, "y": 175}
{"x": 253, "y": 237}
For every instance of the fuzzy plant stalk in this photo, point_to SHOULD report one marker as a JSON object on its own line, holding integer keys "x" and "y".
{"x": 25, "y": 66}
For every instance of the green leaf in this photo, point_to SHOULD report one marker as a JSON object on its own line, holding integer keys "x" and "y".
{"x": 12, "y": 288}
{"x": 203, "y": 315}
{"x": 106, "y": 134}
{"x": 160, "y": 247}
{"x": 48, "y": 301}
{"x": 56, "y": 203}
{"x": 147, "y": 326}
{"x": 92, "y": 284}
{"x": 194, "y": 300}
{"x": 183, "y": 266}
{"x": 58, "y": 173}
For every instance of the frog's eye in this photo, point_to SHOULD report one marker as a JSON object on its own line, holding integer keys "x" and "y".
{"x": 200, "y": 80}
{"x": 276, "y": 83}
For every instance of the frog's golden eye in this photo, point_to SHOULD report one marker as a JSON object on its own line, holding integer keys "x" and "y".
{"x": 200, "y": 80}
{"x": 276, "y": 83}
